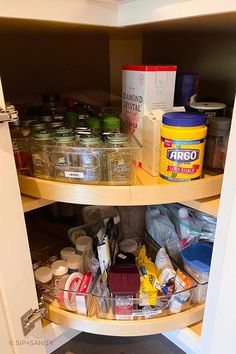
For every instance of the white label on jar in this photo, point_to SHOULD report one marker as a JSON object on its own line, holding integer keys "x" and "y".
{"x": 74, "y": 174}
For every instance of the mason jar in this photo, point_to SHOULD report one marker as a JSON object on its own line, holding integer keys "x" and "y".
{"x": 40, "y": 149}
{"x": 119, "y": 160}
{"x": 64, "y": 157}
{"x": 90, "y": 157}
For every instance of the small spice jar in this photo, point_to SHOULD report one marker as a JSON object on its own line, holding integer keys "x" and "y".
{"x": 93, "y": 123}
{"x": 90, "y": 157}
{"x": 119, "y": 160}
{"x": 41, "y": 143}
{"x": 111, "y": 124}
{"x": 217, "y": 143}
{"x": 37, "y": 127}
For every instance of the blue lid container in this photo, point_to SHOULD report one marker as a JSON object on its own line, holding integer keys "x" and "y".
{"x": 198, "y": 257}
{"x": 184, "y": 119}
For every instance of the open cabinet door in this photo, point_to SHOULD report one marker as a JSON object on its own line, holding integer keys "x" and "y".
{"x": 17, "y": 289}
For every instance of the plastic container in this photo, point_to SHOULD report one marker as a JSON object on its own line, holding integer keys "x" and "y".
{"x": 43, "y": 277}
{"x": 67, "y": 252}
{"x": 129, "y": 245}
{"x": 182, "y": 146}
{"x": 197, "y": 261}
{"x": 217, "y": 143}
{"x": 75, "y": 263}
{"x": 40, "y": 156}
{"x": 210, "y": 109}
{"x": 90, "y": 160}
{"x": 59, "y": 268}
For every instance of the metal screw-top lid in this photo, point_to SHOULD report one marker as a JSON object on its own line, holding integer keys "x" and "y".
{"x": 64, "y": 135}
{"x": 56, "y": 125}
{"x": 90, "y": 139}
{"x": 38, "y": 126}
{"x": 219, "y": 126}
{"x": 117, "y": 138}
{"x": 42, "y": 135}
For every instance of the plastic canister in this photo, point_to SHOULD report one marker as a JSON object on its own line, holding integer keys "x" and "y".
{"x": 197, "y": 261}
{"x": 43, "y": 275}
{"x": 211, "y": 109}
{"x": 75, "y": 263}
{"x": 59, "y": 268}
{"x": 67, "y": 252}
{"x": 182, "y": 146}
{"x": 129, "y": 245}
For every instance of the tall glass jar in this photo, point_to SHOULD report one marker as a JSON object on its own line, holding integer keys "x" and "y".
{"x": 90, "y": 157}
{"x": 119, "y": 160}
{"x": 64, "y": 157}
{"x": 40, "y": 148}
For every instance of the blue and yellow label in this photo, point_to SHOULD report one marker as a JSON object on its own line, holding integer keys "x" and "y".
{"x": 181, "y": 160}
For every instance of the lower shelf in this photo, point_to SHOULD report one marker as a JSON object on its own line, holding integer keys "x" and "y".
{"x": 125, "y": 328}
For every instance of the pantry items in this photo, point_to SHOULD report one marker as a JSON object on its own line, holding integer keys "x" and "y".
{"x": 210, "y": 109}
{"x": 75, "y": 263}
{"x": 129, "y": 245}
{"x": 38, "y": 127}
{"x": 182, "y": 146}
{"x": 145, "y": 88}
{"x": 217, "y": 143}
{"x": 59, "y": 268}
{"x": 197, "y": 261}
{"x": 90, "y": 160}
{"x": 84, "y": 248}
{"x": 67, "y": 252}
{"x": 186, "y": 89}
{"x": 40, "y": 156}
{"x": 111, "y": 124}
{"x": 43, "y": 275}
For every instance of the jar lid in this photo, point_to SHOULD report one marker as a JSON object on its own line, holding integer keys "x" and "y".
{"x": 46, "y": 119}
{"x": 59, "y": 268}
{"x": 117, "y": 138}
{"x": 38, "y": 126}
{"x": 74, "y": 261}
{"x": 219, "y": 124}
{"x": 89, "y": 139}
{"x": 55, "y": 125}
{"x": 128, "y": 245}
{"x": 207, "y": 106}
{"x": 93, "y": 122}
{"x": 111, "y": 122}
{"x": 43, "y": 274}
{"x": 42, "y": 135}
{"x": 64, "y": 135}
{"x": 66, "y": 252}
{"x": 71, "y": 117}
{"x": 184, "y": 119}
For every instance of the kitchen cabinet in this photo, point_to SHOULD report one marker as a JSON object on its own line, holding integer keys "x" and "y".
{"x": 17, "y": 288}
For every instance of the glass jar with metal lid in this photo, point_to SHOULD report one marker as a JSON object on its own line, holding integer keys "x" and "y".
{"x": 111, "y": 124}
{"x": 37, "y": 127}
{"x": 40, "y": 148}
{"x": 119, "y": 159}
{"x": 91, "y": 157}
{"x": 63, "y": 155}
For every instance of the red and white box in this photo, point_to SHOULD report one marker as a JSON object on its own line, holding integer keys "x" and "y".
{"x": 145, "y": 88}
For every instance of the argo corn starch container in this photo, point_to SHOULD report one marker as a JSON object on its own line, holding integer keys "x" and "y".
{"x": 182, "y": 146}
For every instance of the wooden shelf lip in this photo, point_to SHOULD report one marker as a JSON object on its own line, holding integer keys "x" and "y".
{"x": 148, "y": 191}
{"x": 125, "y": 328}
{"x": 31, "y": 203}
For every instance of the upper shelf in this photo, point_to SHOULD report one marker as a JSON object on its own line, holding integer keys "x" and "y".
{"x": 148, "y": 190}
{"x": 113, "y": 13}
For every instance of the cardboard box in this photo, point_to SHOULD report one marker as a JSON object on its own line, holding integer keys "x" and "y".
{"x": 145, "y": 88}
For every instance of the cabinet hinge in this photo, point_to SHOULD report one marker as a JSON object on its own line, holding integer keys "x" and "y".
{"x": 31, "y": 316}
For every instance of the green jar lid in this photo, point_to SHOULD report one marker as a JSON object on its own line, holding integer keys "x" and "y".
{"x": 117, "y": 138}
{"x": 71, "y": 117}
{"x": 42, "y": 135}
{"x": 38, "y": 126}
{"x": 93, "y": 122}
{"x": 90, "y": 139}
{"x": 111, "y": 122}
{"x": 46, "y": 119}
{"x": 64, "y": 135}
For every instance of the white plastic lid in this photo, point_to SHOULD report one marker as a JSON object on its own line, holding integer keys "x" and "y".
{"x": 67, "y": 252}
{"x": 74, "y": 261}
{"x": 43, "y": 274}
{"x": 59, "y": 268}
{"x": 183, "y": 213}
{"x": 83, "y": 243}
{"x": 129, "y": 245}
{"x": 207, "y": 105}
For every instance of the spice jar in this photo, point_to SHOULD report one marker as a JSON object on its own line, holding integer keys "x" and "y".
{"x": 119, "y": 161}
{"x": 63, "y": 157}
{"x": 216, "y": 144}
{"x": 111, "y": 124}
{"x": 41, "y": 143}
{"x": 90, "y": 157}
{"x": 37, "y": 127}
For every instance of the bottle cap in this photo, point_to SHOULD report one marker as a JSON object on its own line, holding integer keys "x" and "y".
{"x": 67, "y": 252}
{"x": 59, "y": 268}
{"x": 43, "y": 274}
{"x": 184, "y": 119}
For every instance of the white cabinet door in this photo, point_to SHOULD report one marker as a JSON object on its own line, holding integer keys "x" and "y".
{"x": 17, "y": 290}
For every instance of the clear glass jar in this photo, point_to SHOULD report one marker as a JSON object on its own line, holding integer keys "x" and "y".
{"x": 63, "y": 157}
{"x": 38, "y": 127}
{"x": 21, "y": 151}
{"x": 40, "y": 146}
{"x": 119, "y": 160}
{"x": 90, "y": 158}
{"x": 217, "y": 143}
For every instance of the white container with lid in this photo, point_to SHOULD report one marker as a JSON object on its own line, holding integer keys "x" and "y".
{"x": 67, "y": 252}
{"x": 59, "y": 268}
{"x": 75, "y": 263}
{"x": 43, "y": 275}
{"x": 211, "y": 109}
{"x": 83, "y": 243}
